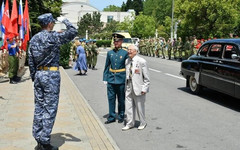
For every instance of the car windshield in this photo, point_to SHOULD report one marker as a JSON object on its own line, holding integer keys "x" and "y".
{"x": 127, "y": 40}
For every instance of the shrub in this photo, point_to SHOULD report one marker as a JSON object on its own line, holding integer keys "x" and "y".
{"x": 105, "y": 43}
{"x": 65, "y": 55}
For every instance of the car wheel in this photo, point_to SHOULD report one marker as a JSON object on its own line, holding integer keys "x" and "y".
{"x": 194, "y": 86}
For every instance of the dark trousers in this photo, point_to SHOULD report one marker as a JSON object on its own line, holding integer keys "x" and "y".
{"x": 116, "y": 91}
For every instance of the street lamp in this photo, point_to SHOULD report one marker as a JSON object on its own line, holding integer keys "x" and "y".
{"x": 172, "y": 20}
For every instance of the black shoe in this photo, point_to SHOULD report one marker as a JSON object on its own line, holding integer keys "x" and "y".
{"x": 120, "y": 120}
{"x": 37, "y": 147}
{"x": 109, "y": 121}
{"x": 12, "y": 81}
{"x": 16, "y": 78}
{"x": 93, "y": 68}
{"x": 47, "y": 147}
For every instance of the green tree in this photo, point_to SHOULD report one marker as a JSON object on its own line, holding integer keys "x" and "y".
{"x": 111, "y": 26}
{"x": 203, "y": 18}
{"x": 123, "y": 8}
{"x": 36, "y": 8}
{"x": 137, "y": 5}
{"x": 144, "y": 26}
{"x": 91, "y": 23}
{"x": 159, "y": 9}
{"x": 128, "y": 5}
{"x": 96, "y": 23}
{"x": 112, "y": 8}
{"x": 126, "y": 25}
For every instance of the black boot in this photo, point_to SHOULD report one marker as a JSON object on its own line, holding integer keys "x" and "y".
{"x": 47, "y": 147}
{"x": 93, "y": 68}
{"x": 12, "y": 81}
{"x": 89, "y": 66}
{"x": 38, "y": 147}
{"x": 16, "y": 78}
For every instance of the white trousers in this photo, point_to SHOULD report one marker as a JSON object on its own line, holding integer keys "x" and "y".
{"x": 134, "y": 104}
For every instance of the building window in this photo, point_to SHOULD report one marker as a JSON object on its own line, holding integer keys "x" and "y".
{"x": 109, "y": 19}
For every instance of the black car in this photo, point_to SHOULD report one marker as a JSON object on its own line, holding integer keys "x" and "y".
{"x": 215, "y": 66}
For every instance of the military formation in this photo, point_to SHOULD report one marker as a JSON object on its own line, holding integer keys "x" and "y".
{"x": 171, "y": 49}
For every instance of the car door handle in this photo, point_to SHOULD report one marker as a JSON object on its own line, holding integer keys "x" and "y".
{"x": 220, "y": 62}
{"x": 215, "y": 61}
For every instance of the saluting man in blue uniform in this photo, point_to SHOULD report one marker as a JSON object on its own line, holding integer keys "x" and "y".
{"x": 114, "y": 76}
{"x": 44, "y": 51}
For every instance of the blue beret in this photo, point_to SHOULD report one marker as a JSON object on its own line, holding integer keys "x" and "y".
{"x": 45, "y": 19}
{"x": 84, "y": 39}
{"x": 94, "y": 40}
{"x": 87, "y": 41}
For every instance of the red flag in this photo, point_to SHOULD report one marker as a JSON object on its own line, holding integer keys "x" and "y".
{"x": 14, "y": 17}
{"x": 6, "y": 22}
{"x": 26, "y": 23}
{"x": 6, "y": 19}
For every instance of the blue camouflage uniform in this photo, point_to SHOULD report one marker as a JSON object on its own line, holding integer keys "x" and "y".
{"x": 115, "y": 74}
{"x": 44, "y": 51}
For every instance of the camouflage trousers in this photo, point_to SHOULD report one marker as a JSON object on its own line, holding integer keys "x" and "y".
{"x": 13, "y": 66}
{"x": 46, "y": 92}
{"x": 94, "y": 59}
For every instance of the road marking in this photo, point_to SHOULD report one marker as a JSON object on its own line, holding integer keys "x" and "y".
{"x": 154, "y": 70}
{"x": 174, "y": 76}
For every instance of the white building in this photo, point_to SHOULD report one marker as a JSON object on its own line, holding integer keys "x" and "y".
{"x": 75, "y": 9}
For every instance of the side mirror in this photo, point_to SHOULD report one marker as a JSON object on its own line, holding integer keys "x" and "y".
{"x": 235, "y": 56}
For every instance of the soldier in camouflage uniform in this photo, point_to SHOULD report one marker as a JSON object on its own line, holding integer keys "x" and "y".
{"x": 179, "y": 48}
{"x": 44, "y": 51}
{"x": 187, "y": 48}
{"x": 162, "y": 47}
{"x": 195, "y": 42}
{"x": 145, "y": 47}
{"x": 87, "y": 48}
{"x": 191, "y": 45}
{"x": 94, "y": 54}
{"x": 174, "y": 48}
{"x": 141, "y": 46}
{"x": 152, "y": 45}
{"x": 157, "y": 47}
{"x": 169, "y": 48}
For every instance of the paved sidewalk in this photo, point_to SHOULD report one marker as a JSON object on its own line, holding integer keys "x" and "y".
{"x": 76, "y": 128}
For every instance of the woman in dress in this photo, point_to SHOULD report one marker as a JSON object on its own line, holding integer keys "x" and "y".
{"x": 81, "y": 63}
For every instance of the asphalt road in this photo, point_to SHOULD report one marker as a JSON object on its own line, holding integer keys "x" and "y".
{"x": 176, "y": 118}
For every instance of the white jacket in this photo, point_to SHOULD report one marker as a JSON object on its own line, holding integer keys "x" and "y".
{"x": 140, "y": 74}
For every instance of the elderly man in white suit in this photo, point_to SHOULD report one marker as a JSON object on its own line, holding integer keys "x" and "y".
{"x": 137, "y": 85}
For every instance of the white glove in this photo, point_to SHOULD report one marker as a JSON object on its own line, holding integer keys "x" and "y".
{"x": 60, "y": 19}
{"x": 105, "y": 82}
